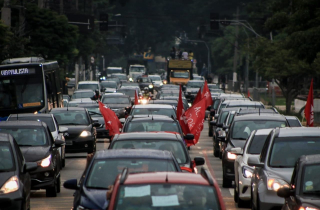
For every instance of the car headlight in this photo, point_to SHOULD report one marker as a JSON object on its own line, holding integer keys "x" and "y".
{"x": 144, "y": 101}
{"x": 45, "y": 162}
{"x": 130, "y": 79}
{"x": 307, "y": 208}
{"x": 275, "y": 184}
{"x": 85, "y": 133}
{"x": 11, "y": 185}
{"x": 150, "y": 86}
{"x": 231, "y": 156}
{"x": 247, "y": 172}
{"x": 161, "y": 83}
{"x": 114, "y": 91}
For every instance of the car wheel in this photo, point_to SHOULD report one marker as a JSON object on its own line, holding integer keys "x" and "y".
{"x": 252, "y": 204}
{"x": 63, "y": 162}
{"x": 52, "y": 191}
{"x": 59, "y": 184}
{"x": 242, "y": 203}
{"x": 235, "y": 194}
{"x": 220, "y": 154}
{"x": 226, "y": 183}
{"x": 215, "y": 152}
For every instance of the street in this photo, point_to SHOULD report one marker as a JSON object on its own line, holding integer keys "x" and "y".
{"x": 75, "y": 164}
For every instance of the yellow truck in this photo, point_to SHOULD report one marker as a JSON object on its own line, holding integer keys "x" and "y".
{"x": 179, "y": 71}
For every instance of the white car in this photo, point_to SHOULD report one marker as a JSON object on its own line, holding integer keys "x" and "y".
{"x": 243, "y": 172}
{"x": 92, "y": 85}
{"x": 157, "y": 81}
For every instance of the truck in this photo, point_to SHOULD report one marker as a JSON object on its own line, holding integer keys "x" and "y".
{"x": 135, "y": 71}
{"x": 179, "y": 72}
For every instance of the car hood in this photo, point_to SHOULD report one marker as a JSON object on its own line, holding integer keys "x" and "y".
{"x": 95, "y": 196}
{"x": 282, "y": 173}
{"x": 4, "y": 176}
{"x": 35, "y": 153}
{"x": 237, "y": 143}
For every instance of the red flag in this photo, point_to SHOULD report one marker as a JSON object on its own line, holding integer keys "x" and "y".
{"x": 111, "y": 120}
{"x": 198, "y": 97}
{"x": 195, "y": 118}
{"x": 180, "y": 115}
{"x": 136, "y": 100}
{"x": 308, "y": 110}
{"x": 206, "y": 93}
{"x": 248, "y": 93}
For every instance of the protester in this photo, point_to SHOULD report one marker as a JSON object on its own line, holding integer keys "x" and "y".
{"x": 173, "y": 53}
{"x": 185, "y": 55}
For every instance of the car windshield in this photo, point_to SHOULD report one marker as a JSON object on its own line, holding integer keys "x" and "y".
{"x": 116, "y": 100}
{"x": 223, "y": 116}
{"x": 310, "y": 180}
{"x": 47, "y": 120}
{"x": 216, "y": 104}
{"x": 6, "y": 157}
{"x": 108, "y": 84}
{"x": 154, "y": 111}
{"x": 213, "y": 87}
{"x": 242, "y": 129}
{"x": 150, "y": 125}
{"x": 71, "y": 117}
{"x": 103, "y": 172}
{"x": 256, "y": 144}
{"x": 128, "y": 92}
{"x": 144, "y": 79}
{"x": 88, "y": 86}
{"x": 136, "y": 69}
{"x": 155, "y": 78}
{"x": 176, "y": 147}
{"x": 77, "y": 95}
{"x": 113, "y": 79}
{"x": 120, "y": 76}
{"x": 194, "y": 84}
{"x": 285, "y": 151}
{"x": 250, "y": 105}
{"x": 94, "y": 111}
{"x": 180, "y": 74}
{"x": 27, "y": 136}
{"x": 167, "y": 197}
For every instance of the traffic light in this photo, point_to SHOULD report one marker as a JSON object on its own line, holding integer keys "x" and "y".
{"x": 214, "y": 21}
{"x": 103, "y": 22}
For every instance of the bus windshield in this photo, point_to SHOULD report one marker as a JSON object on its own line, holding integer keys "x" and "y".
{"x": 137, "y": 69}
{"x": 180, "y": 74}
{"x": 21, "y": 91}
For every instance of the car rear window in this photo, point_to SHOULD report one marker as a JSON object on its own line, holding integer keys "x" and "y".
{"x": 88, "y": 86}
{"x": 47, "y": 120}
{"x": 256, "y": 144}
{"x": 71, "y": 117}
{"x": 150, "y": 126}
{"x": 154, "y": 111}
{"x": 27, "y": 136}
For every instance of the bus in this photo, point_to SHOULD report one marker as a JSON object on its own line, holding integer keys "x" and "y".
{"x": 179, "y": 71}
{"x": 29, "y": 85}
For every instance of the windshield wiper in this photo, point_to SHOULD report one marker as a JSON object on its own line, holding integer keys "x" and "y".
{"x": 280, "y": 166}
{"x": 91, "y": 112}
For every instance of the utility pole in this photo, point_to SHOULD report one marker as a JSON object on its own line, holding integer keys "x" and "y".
{"x": 6, "y": 13}
{"x": 235, "y": 58}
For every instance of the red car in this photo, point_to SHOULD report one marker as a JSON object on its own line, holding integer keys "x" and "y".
{"x": 166, "y": 190}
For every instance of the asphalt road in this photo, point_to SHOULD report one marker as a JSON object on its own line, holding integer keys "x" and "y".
{"x": 75, "y": 164}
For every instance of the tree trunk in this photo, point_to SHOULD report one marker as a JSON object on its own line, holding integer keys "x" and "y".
{"x": 288, "y": 103}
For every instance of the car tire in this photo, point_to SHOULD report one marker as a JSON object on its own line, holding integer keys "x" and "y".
{"x": 226, "y": 183}
{"x": 63, "y": 162}
{"x": 220, "y": 154}
{"x": 215, "y": 152}
{"x": 59, "y": 184}
{"x": 52, "y": 191}
{"x": 235, "y": 194}
{"x": 210, "y": 133}
{"x": 252, "y": 204}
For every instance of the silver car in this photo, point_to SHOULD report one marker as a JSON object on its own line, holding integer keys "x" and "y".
{"x": 243, "y": 172}
{"x": 273, "y": 169}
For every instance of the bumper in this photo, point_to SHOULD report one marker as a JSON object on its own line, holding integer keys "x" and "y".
{"x": 244, "y": 188}
{"x": 12, "y": 201}
{"x": 102, "y": 133}
{"x": 42, "y": 178}
{"x": 228, "y": 166}
{"x": 86, "y": 144}
{"x": 270, "y": 200}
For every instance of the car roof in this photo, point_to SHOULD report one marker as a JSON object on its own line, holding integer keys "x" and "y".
{"x": 259, "y": 117}
{"x": 85, "y": 105}
{"x": 68, "y": 109}
{"x": 44, "y": 115}
{"x": 110, "y": 67}
{"x": 166, "y": 177}
{"x": 115, "y": 95}
{"x": 22, "y": 123}
{"x": 299, "y": 131}
{"x": 310, "y": 159}
{"x": 152, "y": 118}
{"x": 81, "y": 100}
{"x": 263, "y": 132}
{"x": 153, "y": 75}
{"x": 146, "y": 106}
{"x": 133, "y": 153}
{"x": 88, "y": 82}
{"x": 228, "y": 109}
{"x": 147, "y": 135}
{"x": 242, "y": 102}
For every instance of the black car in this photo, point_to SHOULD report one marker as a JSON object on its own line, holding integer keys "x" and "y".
{"x": 192, "y": 89}
{"x": 303, "y": 191}
{"x": 37, "y": 145}
{"x": 130, "y": 91}
{"x": 119, "y": 103}
{"x": 145, "y": 82}
{"x": 158, "y": 141}
{"x": 240, "y": 129}
{"x": 81, "y": 135}
{"x": 109, "y": 86}
{"x": 15, "y": 181}
{"x": 107, "y": 164}
{"x": 82, "y": 94}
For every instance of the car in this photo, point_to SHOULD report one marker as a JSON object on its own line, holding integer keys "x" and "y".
{"x": 186, "y": 105}
{"x": 92, "y": 85}
{"x": 153, "y": 109}
{"x": 274, "y": 167}
{"x": 239, "y": 131}
{"x": 56, "y": 130}
{"x": 81, "y": 135}
{"x": 130, "y": 91}
{"x": 213, "y": 87}
{"x": 166, "y": 190}
{"x": 90, "y": 191}
{"x": 115, "y": 79}
{"x": 37, "y": 145}
{"x": 122, "y": 77}
{"x": 131, "y": 84}
{"x": 167, "y": 93}
{"x": 192, "y": 89}
{"x": 82, "y": 94}
{"x": 145, "y": 82}
{"x": 15, "y": 181}
{"x": 303, "y": 191}
{"x": 243, "y": 172}
{"x": 71, "y": 83}
{"x": 157, "y": 81}
{"x": 119, "y": 103}
{"x": 159, "y": 141}
{"x": 109, "y": 86}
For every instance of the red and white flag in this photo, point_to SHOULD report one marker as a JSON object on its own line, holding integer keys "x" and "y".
{"x": 195, "y": 119}
{"x": 180, "y": 115}
{"x": 206, "y": 93}
{"x": 111, "y": 120}
{"x": 308, "y": 110}
{"x": 136, "y": 98}
{"x": 198, "y": 97}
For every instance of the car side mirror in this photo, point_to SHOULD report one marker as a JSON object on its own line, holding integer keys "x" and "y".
{"x": 216, "y": 116}
{"x": 189, "y": 136}
{"x": 71, "y": 184}
{"x": 254, "y": 161}
{"x": 219, "y": 125}
{"x": 63, "y": 129}
{"x": 285, "y": 192}
{"x": 213, "y": 123}
{"x": 212, "y": 113}
{"x": 199, "y": 161}
{"x": 96, "y": 124}
{"x": 236, "y": 151}
{"x": 58, "y": 143}
{"x": 122, "y": 120}
{"x": 225, "y": 127}
{"x": 30, "y": 166}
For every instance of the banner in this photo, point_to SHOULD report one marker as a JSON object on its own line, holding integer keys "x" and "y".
{"x": 206, "y": 93}
{"x": 180, "y": 115}
{"x": 308, "y": 110}
{"x": 112, "y": 123}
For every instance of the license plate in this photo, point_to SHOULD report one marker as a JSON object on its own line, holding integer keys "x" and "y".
{"x": 69, "y": 143}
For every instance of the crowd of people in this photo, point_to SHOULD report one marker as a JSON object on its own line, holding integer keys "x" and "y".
{"x": 181, "y": 54}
